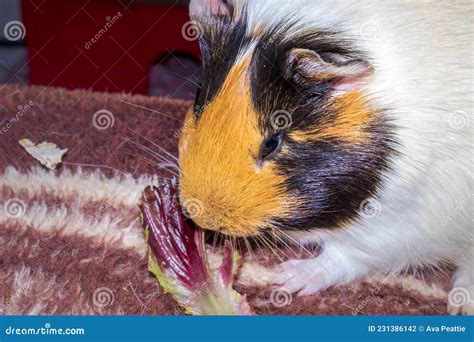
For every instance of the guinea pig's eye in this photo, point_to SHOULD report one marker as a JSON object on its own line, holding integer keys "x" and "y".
{"x": 270, "y": 146}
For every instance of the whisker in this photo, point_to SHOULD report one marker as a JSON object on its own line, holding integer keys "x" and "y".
{"x": 94, "y": 165}
{"x": 285, "y": 243}
{"x": 239, "y": 246}
{"x": 157, "y": 161}
{"x": 151, "y": 110}
{"x": 187, "y": 79}
{"x": 294, "y": 241}
{"x": 153, "y": 153}
{"x": 169, "y": 154}
{"x": 270, "y": 247}
{"x": 248, "y": 247}
{"x": 152, "y": 162}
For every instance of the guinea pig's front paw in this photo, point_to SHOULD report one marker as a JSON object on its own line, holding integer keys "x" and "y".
{"x": 307, "y": 276}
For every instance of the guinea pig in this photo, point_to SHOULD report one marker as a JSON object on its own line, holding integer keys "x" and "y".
{"x": 345, "y": 124}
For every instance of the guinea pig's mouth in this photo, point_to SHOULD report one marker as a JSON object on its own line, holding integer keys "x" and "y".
{"x": 205, "y": 224}
{"x": 218, "y": 218}
{"x": 251, "y": 233}
{"x": 265, "y": 237}
{"x": 230, "y": 233}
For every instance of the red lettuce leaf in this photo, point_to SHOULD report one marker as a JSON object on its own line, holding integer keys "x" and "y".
{"x": 178, "y": 259}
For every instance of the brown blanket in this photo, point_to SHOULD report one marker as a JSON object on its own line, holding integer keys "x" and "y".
{"x": 70, "y": 239}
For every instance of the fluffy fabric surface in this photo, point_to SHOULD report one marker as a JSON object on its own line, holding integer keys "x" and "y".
{"x": 71, "y": 241}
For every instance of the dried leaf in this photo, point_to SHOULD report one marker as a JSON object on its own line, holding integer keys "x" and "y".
{"x": 46, "y": 153}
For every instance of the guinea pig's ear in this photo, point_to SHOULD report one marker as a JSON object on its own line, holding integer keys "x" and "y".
{"x": 204, "y": 8}
{"x": 345, "y": 73}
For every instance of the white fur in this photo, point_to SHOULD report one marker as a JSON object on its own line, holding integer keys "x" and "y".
{"x": 422, "y": 52}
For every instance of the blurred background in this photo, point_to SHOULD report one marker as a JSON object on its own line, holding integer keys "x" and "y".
{"x": 144, "y": 47}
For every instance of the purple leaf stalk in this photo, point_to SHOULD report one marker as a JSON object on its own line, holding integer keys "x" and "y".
{"x": 178, "y": 259}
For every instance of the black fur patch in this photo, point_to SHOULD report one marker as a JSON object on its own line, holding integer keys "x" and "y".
{"x": 221, "y": 41}
{"x": 331, "y": 178}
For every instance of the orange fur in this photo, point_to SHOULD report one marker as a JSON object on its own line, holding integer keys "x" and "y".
{"x": 219, "y": 168}
{"x": 353, "y": 114}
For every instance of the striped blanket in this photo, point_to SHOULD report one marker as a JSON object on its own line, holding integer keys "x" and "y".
{"x": 71, "y": 240}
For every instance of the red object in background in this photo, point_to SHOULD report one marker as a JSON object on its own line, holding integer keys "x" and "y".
{"x": 101, "y": 45}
